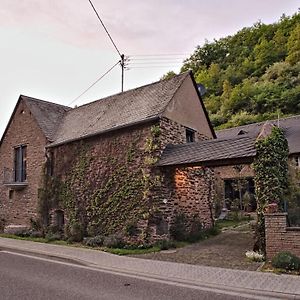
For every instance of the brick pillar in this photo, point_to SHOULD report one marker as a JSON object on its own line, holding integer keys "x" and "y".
{"x": 275, "y": 225}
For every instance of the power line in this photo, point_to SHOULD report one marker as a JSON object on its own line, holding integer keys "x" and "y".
{"x": 94, "y": 83}
{"x": 105, "y": 28}
{"x": 122, "y": 56}
{"x": 164, "y": 54}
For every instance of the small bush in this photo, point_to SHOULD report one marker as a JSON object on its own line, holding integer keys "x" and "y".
{"x": 113, "y": 241}
{"x": 185, "y": 230}
{"x": 35, "y": 224}
{"x": 166, "y": 244}
{"x": 96, "y": 241}
{"x": 75, "y": 232}
{"x": 50, "y": 237}
{"x": 36, "y": 234}
{"x": 131, "y": 229}
{"x": 286, "y": 260}
{"x": 2, "y": 224}
{"x": 178, "y": 230}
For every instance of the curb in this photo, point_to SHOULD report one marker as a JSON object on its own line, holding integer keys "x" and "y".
{"x": 248, "y": 293}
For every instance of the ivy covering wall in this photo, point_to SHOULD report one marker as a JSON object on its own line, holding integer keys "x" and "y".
{"x": 271, "y": 177}
{"x": 104, "y": 186}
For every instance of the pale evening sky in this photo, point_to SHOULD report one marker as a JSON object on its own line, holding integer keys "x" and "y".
{"x": 54, "y": 49}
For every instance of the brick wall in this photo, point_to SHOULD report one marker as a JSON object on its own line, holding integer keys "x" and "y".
{"x": 18, "y": 206}
{"x": 280, "y": 237}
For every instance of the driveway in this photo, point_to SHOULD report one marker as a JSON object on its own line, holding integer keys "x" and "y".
{"x": 226, "y": 250}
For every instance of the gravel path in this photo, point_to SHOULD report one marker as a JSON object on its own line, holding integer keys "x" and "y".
{"x": 226, "y": 250}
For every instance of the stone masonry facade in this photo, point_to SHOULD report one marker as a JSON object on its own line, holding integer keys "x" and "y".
{"x": 19, "y": 206}
{"x": 115, "y": 184}
{"x": 175, "y": 133}
{"x": 279, "y": 236}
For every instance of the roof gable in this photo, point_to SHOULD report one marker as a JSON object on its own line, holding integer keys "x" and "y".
{"x": 124, "y": 109}
{"x": 47, "y": 115}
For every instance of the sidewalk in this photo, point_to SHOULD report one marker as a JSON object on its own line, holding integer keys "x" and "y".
{"x": 253, "y": 285}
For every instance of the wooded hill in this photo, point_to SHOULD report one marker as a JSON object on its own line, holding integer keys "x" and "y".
{"x": 251, "y": 76}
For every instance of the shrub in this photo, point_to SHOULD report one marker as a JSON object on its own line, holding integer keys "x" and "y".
{"x": 96, "y": 241}
{"x": 196, "y": 231}
{"x": 52, "y": 237}
{"x": 75, "y": 232}
{"x": 286, "y": 260}
{"x": 131, "y": 229}
{"x": 36, "y": 234}
{"x": 191, "y": 230}
{"x": 113, "y": 241}
{"x": 178, "y": 230}
{"x": 166, "y": 244}
{"x": 2, "y": 224}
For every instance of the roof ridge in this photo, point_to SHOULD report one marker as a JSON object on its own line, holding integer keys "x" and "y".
{"x": 26, "y": 98}
{"x": 131, "y": 90}
{"x": 258, "y": 123}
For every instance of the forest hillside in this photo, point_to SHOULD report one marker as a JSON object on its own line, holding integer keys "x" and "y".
{"x": 251, "y": 76}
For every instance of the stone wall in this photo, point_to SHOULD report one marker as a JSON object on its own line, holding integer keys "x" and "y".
{"x": 280, "y": 237}
{"x": 175, "y": 133}
{"x": 18, "y": 206}
{"x": 187, "y": 190}
{"x": 106, "y": 180}
{"x": 112, "y": 182}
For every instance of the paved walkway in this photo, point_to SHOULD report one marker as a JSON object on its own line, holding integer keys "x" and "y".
{"x": 253, "y": 285}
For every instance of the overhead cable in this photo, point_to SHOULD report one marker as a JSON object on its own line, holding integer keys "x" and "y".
{"x": 105, "y": 28}
{"x": 94, "y": 83}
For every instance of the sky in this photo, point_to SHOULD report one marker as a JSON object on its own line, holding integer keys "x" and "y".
{"x": 55, "y": 49}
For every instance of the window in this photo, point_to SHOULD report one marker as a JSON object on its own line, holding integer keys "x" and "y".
{"x": 20, "y": 164}
{"x": 190, "y": 135}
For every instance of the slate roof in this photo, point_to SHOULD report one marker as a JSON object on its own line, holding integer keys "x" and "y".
{"x": 47, "y": 114}
{"x": 205, "y": 152}
{"x": 128, "y": 108}
{"x": 290, "y": 126}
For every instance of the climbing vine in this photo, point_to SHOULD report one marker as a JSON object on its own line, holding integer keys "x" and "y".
{"x": 271, "y": 177}
{"x": 105, "y": 194}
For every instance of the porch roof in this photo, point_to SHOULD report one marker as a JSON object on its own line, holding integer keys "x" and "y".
{"x": 214, "y": 152}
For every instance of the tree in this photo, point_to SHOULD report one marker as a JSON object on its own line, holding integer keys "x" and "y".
{"x": 293, "y": 46}
{"x": 168, "y": 75}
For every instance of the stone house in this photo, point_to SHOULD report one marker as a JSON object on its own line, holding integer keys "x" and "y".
{"x": 94, "y": 169}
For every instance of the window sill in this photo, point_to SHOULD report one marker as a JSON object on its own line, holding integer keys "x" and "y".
{"x": 16, "y": 185}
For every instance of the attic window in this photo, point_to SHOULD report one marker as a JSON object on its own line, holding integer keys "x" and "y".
{"x": 242, "y": 132}
{"x": 190, "y": 135}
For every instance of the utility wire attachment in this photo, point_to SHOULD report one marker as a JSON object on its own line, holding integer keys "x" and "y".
{"x": 119, "y": 62}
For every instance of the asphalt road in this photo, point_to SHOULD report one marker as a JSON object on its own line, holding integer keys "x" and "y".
{"x": 25, "y": 277}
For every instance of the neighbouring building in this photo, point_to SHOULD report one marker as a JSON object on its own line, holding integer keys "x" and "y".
{"x": 230, "y": 157}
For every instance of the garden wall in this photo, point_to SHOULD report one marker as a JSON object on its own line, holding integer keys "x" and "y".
{"x": 279, "y": 236}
